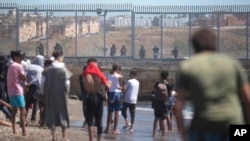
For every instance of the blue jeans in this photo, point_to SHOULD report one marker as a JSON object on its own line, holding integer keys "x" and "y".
{"x": 5, "y": 111}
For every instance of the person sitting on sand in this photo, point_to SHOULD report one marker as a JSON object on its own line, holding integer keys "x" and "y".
{"x": 2, "y": 122}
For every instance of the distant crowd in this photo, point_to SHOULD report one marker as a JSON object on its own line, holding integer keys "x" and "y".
{"x": 156, "y": 52}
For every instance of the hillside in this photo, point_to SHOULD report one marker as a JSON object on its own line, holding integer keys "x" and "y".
{"x": 232, "y": 42}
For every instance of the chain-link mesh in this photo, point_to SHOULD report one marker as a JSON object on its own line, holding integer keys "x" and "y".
{"x": 90, "y": 34}
{"x": 138, "y": 35}
{"x": 147, "y": 36}
{"x": 7, "y": 31}
{"x": 61, "y": 32}
{"x": 233, "y": 34}
{"x": 118, "y": 30}
{"x": 32, "y": 32}
{"x": 229, "y": 28}
{"x": 247, "y": 35}
{"x": 175, "y": 36}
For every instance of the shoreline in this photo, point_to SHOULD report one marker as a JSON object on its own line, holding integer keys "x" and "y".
{"x": 36, "y": 133}
{"x": 142, "y": 127}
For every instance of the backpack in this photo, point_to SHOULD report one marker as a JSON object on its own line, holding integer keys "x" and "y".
{"x": 161, "y": 91}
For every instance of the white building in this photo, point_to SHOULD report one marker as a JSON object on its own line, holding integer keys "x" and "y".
{"x": 125, "y": 21}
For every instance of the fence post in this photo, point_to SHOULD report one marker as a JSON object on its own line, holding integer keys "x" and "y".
{"x": 76, "y": 34}
{"x": 161, "y": 35}
{"x": 247, "y": 36}
{"x": 189, "y": 34}
{"x": 47, "y": 31}
{"x": 218, "y": 33}
{"x": 133, "y": 34}
{"x": 17, "y": 29}
{"x": 104, "y": 34}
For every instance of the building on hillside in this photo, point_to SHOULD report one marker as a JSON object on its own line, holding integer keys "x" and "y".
{"x": 168, "y": 22}
{"x": 143, "y": 22}
{"x": 235, "y": 21}
{"x": 121, "y": 21}
{"x": 27, "y": 30}
{"x": 85, "y": 25}
{"x": 125, "y": 21}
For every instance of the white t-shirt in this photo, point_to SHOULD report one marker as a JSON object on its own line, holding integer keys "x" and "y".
{"x": 115, "y": 85}
{"x": 132, "y": 89}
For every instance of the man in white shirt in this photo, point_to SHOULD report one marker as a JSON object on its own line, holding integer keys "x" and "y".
{"x": 130, "y": 99}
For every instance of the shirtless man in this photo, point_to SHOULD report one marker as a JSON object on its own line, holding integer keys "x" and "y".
{"x": 92, "y": 81}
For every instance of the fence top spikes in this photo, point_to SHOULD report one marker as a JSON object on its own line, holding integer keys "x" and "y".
{"x": 127, "y": 7}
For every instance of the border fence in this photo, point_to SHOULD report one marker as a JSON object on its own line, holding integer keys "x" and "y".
{"x": 133, "y": 35}
{"x": 149, "y": 38}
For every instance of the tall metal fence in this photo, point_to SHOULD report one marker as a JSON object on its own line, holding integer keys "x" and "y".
{"x": 125, "y": 32}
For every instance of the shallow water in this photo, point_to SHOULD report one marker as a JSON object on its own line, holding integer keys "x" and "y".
{"x": 143, "y": 125}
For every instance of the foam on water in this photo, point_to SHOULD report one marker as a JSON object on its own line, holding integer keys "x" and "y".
{"x": 143, "y": 125}
{"x": 187, "y": 114}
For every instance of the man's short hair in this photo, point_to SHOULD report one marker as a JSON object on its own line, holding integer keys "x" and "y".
{"x": 15, "y": 53}
{"x": 91, "y": 60}
{"x": 164, "y": 74}
{"x": 119, "y": 68}
{"x": 57, "y": 53}
{"x": 115, "y": 67}
{"x": 47, "y": 62}
{"x": 204, "y": 40}
{"x": 133, "y": 72}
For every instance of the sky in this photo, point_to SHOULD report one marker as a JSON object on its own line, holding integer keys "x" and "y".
{"x": 141, "y": 2}
{"x": 134, "y": 2}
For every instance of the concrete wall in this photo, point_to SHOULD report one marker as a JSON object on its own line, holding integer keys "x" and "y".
{"x": 146, "y": 77}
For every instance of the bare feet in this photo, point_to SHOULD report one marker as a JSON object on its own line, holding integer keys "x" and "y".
{"x": 54, "y": 139}
{"x": 126, "y": 126}
{"x": 15, "y": 133}
{"x": 106, "y": 131}
{"x": 84, "y": 124}
{"x": 116, "y": 132}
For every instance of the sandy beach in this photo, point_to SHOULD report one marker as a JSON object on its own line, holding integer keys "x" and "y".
{"x": 142, "y": 127}
{"x": 43, "y": 134}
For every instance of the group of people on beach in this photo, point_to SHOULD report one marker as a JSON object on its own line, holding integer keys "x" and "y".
{"x": 42, "y": 83}
{"x": 121, "y": 96}
{"x": 216, "y": 85}
{"x": 96, "y": 87}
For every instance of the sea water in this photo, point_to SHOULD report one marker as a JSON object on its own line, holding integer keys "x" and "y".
{"x": 143, "y": 125}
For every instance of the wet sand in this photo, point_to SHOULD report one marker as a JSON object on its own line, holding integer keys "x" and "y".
{"x": 142, "y": 127}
